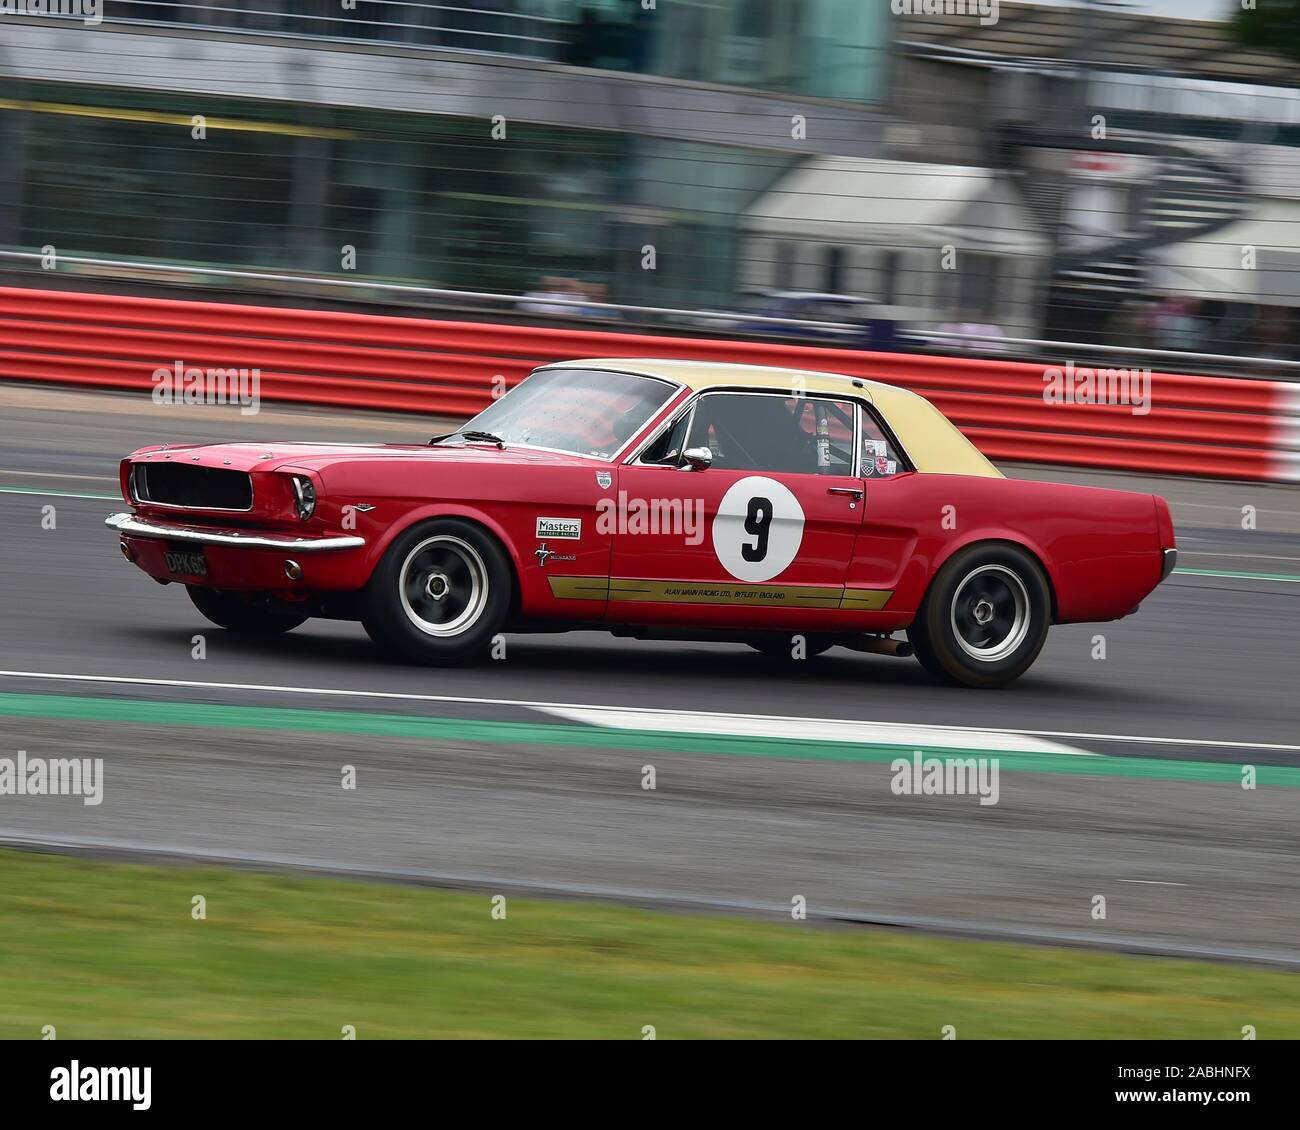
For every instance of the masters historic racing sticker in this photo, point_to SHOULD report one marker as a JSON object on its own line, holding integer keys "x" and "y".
{"x": 758, "y": 528}
{"x": 570, "y": 528}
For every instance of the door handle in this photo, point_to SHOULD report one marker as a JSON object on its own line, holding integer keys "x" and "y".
{"x": 852, "y": 492}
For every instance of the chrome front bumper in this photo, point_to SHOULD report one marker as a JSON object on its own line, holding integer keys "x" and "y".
{"x": 131, "y": 526}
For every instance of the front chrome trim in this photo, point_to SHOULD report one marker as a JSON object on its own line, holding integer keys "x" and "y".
{"x": 130, "y": 525}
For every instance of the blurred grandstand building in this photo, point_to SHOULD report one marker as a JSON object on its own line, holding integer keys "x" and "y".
{"x": 1068, "y": 172}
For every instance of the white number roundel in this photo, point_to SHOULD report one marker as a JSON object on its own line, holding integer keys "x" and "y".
{"x": 758, "y": 528}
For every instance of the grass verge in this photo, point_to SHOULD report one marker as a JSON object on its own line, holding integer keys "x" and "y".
{"x": 107, "y": 950}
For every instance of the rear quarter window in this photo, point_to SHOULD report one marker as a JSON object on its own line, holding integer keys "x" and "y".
{"x": 880, "y": 455}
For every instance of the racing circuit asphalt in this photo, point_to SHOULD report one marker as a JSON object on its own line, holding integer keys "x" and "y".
{"x": 1209, "y": 666}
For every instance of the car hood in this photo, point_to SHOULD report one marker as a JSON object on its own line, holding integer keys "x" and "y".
{"x": 318, "y": 456}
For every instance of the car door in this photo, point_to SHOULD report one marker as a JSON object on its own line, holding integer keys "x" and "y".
{"x": 762, "y": 537}
{"x": 899, "y": 505}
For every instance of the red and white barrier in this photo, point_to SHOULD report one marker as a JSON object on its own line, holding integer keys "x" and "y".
{"x": 1216, "y": 427}
{"x": 1285, "y": 433}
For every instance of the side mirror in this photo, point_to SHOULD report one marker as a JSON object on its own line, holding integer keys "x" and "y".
{"x": 697, "y": 459}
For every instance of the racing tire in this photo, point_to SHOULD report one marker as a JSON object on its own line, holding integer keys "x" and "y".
{"x": 985, "y": 617}
{"x": 248, "y": 614}
{"x": 780, "y": 647}
{"x": 439, "y": 595}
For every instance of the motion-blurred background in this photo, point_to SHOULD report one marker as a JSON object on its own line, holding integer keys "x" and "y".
{"x": 987, "y": 193}
{"x": 1111, "y": 173}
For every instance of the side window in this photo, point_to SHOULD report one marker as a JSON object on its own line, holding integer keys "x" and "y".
{"x": 879, "y": 457}
{"x": 669, "y": 446}
{"x": 762, "y": 432}
{"x": 830, "y": 424}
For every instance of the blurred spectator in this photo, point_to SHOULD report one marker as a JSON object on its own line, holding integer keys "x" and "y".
{"x": 1128, "y": 325}
{"x": 979, "y": 337}
{"x": 584, "y": 40}
{"x": 1173, "y": 326}
{"x": 543, "y": 300}
{"x": 883, "y": 334}
{"x": 599, "y": 294}
{"x": 1274, "y": 333}
{"x": 644, "y": 27}
{"x": 611, "y": 38}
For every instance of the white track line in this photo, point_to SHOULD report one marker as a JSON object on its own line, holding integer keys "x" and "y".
{"x": 58, "y": 475}
{"x": 52, "y": 493}
{"x": 1236, "y": 575}
{"x": 55, "y": 676}
{"x": 812, "y": 729}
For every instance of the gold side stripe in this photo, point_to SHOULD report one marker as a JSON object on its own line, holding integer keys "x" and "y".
{"x": 678, "y": 592}
{"x": 865, "y": 600}
{"x": 683, "y": 592}
{"x": 579, "y": 588}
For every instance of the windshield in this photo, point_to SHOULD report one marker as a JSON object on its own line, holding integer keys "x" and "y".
{"x": 586, "y": 411}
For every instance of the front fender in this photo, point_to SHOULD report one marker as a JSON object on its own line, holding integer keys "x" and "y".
{"x": 423, "y": 512}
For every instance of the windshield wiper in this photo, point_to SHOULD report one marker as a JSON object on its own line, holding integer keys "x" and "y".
{"x": 481, "y": 437}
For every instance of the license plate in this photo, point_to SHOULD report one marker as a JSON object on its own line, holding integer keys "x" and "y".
{"x": 186, "y": 562}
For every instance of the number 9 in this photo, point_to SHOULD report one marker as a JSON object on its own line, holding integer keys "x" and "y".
{"x": 758, "y": 523}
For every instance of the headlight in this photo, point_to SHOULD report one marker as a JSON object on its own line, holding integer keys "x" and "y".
{"x": 304, "y": 496}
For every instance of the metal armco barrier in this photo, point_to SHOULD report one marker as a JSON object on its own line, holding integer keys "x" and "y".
{"x": 1215, "y": 427}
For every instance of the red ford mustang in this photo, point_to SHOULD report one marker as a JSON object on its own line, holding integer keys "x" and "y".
{"x": 788, "y": 510}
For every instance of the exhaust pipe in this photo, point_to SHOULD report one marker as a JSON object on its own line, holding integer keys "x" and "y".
{"x": 880, "y": 645}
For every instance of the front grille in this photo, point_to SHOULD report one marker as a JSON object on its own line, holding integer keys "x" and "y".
{"x": 176, "y": 484}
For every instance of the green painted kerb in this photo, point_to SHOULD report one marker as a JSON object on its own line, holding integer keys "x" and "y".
{"x": 557, "y": 734}
{"x": 1233, "y": 575}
